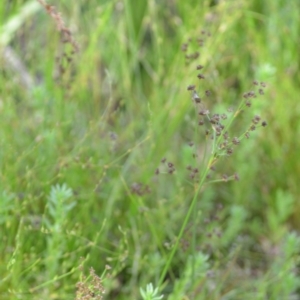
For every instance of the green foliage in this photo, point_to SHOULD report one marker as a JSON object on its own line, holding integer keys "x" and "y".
{"x": 58, "y": 209}
{"x": 183, "y": 285}
{"x": 150, "y": 293}
{"x": 87, "y": 118}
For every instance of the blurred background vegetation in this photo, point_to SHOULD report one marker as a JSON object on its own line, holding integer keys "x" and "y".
{"x": 83, "y": 131}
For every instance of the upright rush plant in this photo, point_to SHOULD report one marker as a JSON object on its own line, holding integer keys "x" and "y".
{"x": 221, "y": 141}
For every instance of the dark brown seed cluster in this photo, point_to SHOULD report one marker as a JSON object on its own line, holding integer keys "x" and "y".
{"x": 196, "y": 97}
{"x": 190, "y": 48}
{"x": 256, "y": 121}
{"x": 193, "y": 171}
{"x": 191, "y": 87}
{"x": 226, "y": 177}
{"x": 236, "y": 141}
{"x": 252, "y": 127}
{"x": 167, "y": 166}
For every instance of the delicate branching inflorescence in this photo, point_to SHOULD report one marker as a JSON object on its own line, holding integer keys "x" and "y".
{"x": 216, "y": 126}
{"x": 66, "y": 56}
{"x": 90, "y": 287}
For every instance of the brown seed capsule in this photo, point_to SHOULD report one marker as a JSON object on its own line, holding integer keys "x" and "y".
{"x": 229, "y": 151}
{"x": 235, "y": 141}
{"x": 191, "y": 87}
{"x": 248, "y": 103}
{"x": 264, "y": 124}
{"x": 256, "y": 119}
{"x": 236, "y": 177}
{"x": 226, "y": 135}
{"x": 201, "y": 122}
{"x": 196, "y": 97}
{"x": 225, "y": 177}
{"x": 203, "y": 112}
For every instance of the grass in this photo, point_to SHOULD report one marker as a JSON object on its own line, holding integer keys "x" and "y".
{"x": 96, "y": 200}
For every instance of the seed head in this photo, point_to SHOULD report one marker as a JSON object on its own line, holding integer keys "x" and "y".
{"x": 170, "y": 165}
{"x": 196, "y": 97}
{"x": 201, "y": 122}
{"x": 225, "y": 177}
{"x": 248, "y": 103}
{"x": 229, "y": 151}
{"x": 236, "y": 177}
{"x": 226, "y": 135}
{"x": 223, "y": 116}
{"x": 215, "y": 118}
{"x": 264, "y": 124}
{"x": 191, "y": 87}
{"x": 235, "y": 141}
{"x": 256, "y": 119}
{"x": 203, "y": 112}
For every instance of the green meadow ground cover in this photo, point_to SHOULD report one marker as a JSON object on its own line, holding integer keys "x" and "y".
{"x": 123, "y": 175}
